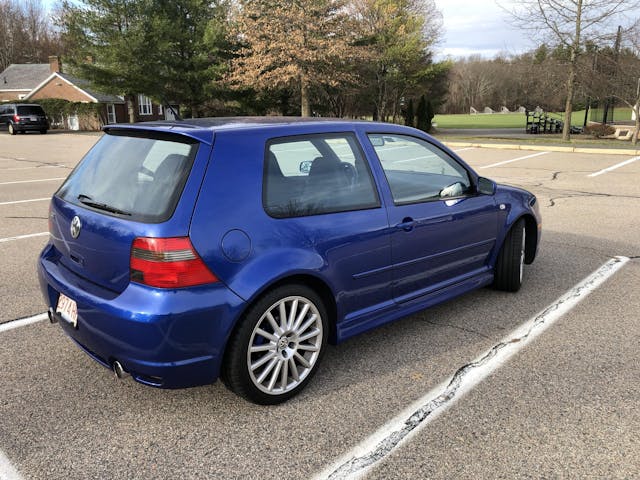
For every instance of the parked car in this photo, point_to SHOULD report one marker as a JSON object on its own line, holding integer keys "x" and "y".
{"x": 23, "y": 117}
{"x": 184, "y": 251}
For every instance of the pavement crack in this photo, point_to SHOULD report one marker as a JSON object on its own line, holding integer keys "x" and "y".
{"x": 457, "y": 327}
{"x": 358, "y": 464}
{"x": 555, "y": 175}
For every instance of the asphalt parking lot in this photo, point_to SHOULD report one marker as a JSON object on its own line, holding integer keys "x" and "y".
{"x": 564, "y": 406}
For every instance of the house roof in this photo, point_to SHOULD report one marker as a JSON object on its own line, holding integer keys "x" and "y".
{"x": 85, "y": 86}
{"x": 82, "y": 85}
{"x": 25, "y": 76}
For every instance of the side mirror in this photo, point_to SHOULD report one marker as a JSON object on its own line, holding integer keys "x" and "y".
{"x": 377, "y": 140}
{"x": 305, "y": 167}
{"x": 486, "y": 186}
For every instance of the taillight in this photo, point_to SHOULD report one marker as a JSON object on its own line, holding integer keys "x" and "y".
{"x": 16, "y": 118}
{"x": 168, "y": 263}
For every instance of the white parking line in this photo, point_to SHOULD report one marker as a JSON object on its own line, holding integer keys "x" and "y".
{"x": 33, "y": 168}
{"x": 614, "y": 167}
{"x": 515, "y": 160}
{"x": 33, "y": 181}
{"x": 464, "y": 149}
{"x": 390, "y": 436}
{"x": 20, "y": 237}
{"x": 5, "y": 327}
{"x": 7, "y": 471}
{"x": 26, "y": 201}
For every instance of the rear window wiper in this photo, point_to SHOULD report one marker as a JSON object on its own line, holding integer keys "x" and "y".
{"x": 87, "y": 200}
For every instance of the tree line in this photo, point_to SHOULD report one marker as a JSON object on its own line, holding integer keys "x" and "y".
{"x": 291, "y": 57}
{"x": 342, "y": 58}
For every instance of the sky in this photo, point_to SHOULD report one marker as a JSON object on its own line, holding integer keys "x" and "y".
{"x": 478, "y": 27}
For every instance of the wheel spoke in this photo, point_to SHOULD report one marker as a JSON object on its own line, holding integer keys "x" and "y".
{"x": 284, "y": 374}
{"x": 313, "y": 333}
{"x": 275, "y": 374}
{"x": 294, "y": 369}
{"x": 262, "y": 361}
{"x": 267, "y": 335}
{"x": 292, "y": 313}
{"x": 273, "y": 323}
{"x": 263, "y": 348}
{"x": 302, "y": 360}
{"x": 267, "y": 370}
{"x": 283, "y": 315}
{"x": 303, "y": 313}
{"x": 307, "y": 324}
{"x": 309, "y": 348}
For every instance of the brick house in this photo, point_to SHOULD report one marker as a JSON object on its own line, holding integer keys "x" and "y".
{"x": 30, "y": 82}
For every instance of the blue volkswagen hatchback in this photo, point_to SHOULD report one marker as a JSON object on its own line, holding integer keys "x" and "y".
{"x": 239, "y": 247}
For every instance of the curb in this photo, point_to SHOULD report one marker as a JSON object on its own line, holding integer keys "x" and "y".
{"x": 546, "y": 148}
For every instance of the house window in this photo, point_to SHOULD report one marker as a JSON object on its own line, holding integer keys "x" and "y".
{"x": 111, "y": 113}
{"x": 144, "y": 105}
{"x": 160, "y": 110}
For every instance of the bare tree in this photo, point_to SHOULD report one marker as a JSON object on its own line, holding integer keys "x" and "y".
{"x": 572, "y": 23}
{"x": 26, "y": 33}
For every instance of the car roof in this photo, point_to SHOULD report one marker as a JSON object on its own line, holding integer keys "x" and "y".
{"x": 203, "y": 129}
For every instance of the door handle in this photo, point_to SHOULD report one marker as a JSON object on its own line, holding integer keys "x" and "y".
{"x": 407, "y": 224}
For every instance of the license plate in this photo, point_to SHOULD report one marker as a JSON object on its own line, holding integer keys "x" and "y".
{"x": 68, "y": 310}
{"x": 33, "y": 119}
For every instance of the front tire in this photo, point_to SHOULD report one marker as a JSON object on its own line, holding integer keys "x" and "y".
{"x": 278, "y": 345}
{"x": 510, "y": 264}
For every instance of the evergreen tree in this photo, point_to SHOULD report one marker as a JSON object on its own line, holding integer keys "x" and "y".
{"x": 409, "y": 114}
{"x": 169, "y": 50}
{"x": 422, "y": 116}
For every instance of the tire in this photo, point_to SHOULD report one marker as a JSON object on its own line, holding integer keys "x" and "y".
{"x": 12, "y": 130}
{"x": 295, "y": 344}
{"x": 510, "y": 263}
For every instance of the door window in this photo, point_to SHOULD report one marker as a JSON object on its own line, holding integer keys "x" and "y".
{"x": 316, "y": 174}
{"x": 418, "y": 171}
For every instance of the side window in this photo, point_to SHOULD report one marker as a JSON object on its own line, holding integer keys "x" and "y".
{"x": 316, "y": 174}
{"x": 418, "y": 171}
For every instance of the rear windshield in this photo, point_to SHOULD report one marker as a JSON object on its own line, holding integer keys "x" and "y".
{"x": 133, "y": 177}
{"x": 30, "y": 110}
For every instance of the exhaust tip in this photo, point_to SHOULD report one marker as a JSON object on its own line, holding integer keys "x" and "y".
{"x": 50, "y": 314}
{"x": 119, "y": 370}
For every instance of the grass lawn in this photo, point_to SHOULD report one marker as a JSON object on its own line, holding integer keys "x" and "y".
{"x": 511, "y": 120}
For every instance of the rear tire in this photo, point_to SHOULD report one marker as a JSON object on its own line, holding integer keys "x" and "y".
{"x": 278, "y": 345}
{"x": 510, "y": 264}
{"x": 12, "y": 130}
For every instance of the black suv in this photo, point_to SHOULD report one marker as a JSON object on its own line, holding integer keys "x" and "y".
{"x": 21, "y": 117}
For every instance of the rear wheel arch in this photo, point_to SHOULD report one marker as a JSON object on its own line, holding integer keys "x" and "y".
{"x": 314, "y": 283}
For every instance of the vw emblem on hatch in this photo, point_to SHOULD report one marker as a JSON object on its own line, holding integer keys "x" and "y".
{"x": 75, "y": 227}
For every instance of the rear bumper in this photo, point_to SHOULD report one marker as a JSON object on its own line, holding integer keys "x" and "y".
{"x": 163, "y": 338}
{"x": 30, "y": 126}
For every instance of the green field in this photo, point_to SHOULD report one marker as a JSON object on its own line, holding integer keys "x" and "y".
{"x": 511, "y": 120}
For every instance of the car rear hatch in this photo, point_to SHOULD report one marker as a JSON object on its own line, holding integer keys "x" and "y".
{"x": 131, "y": 184}
{"x": 31, "y": 115}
